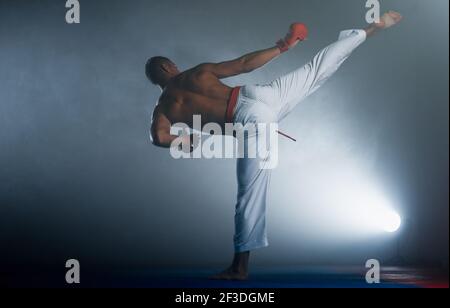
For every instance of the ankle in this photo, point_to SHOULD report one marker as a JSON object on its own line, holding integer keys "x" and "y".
{"x": 240, "y": 263}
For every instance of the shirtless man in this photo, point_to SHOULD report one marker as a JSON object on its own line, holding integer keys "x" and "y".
{"x": 199, "y": 91}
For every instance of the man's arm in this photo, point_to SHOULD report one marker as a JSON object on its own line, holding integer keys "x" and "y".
{"x": 244, "y": 64}
{"x": 252, "y": 61}
{"x": 160, "y": 132}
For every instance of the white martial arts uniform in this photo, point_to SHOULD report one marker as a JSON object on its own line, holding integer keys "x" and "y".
{"x": 270, "y": 104}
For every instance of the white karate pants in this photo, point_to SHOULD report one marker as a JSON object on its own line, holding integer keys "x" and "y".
{"x": 271, "y": 103}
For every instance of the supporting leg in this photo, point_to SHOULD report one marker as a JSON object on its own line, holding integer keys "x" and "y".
{"x": 250, "y": 217}
{"x": 238, "y": 271}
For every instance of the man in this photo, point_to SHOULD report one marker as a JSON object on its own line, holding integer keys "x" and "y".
{"x": 199, "y": 91}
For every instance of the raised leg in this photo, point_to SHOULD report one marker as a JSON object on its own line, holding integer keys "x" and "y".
{"x": 296, "y": 86}
{"x": 284, "y": 93}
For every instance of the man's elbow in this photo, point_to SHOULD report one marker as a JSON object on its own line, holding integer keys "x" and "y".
{"x": 154, "y": 141}
{"x": 155, "y": 138}
{"x": 160, "y": 139}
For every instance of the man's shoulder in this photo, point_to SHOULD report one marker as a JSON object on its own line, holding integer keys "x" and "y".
{"x": 203, "y": 67}
{"x": 201, "y": 73}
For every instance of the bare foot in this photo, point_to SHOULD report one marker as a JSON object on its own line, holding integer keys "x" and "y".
{"x": 231, "y": 275}
{"x": 388, "y": 20}
{"x": 238, "y": 271}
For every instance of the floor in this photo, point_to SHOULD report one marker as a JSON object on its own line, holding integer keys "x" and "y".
{"x": 292, "y": 277}
{"x": 286, "y": 277}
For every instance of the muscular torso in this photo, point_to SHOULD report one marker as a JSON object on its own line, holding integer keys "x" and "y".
{"x": 195, "y": 92}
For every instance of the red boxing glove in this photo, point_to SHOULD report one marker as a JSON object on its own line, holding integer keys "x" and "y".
{"x": 297, "y": 32}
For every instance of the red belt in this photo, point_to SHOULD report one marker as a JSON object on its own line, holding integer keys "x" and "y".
{"x": 232, "y": 104}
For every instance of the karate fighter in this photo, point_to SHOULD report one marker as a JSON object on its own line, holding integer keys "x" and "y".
{"x": 199, "y": 91}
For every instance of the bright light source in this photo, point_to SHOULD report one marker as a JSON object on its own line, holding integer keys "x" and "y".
{"x": 391, "y": 222}
{"x": 341, "y": 202}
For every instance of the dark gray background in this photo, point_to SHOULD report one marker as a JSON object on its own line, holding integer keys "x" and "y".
{"x": 80, "y": 179}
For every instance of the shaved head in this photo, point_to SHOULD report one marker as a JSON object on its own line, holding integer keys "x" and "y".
{"x": 157, "y": 69}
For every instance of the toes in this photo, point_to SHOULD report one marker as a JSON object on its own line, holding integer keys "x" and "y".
{"x": 222, "y": 276}
{"x": 397, "y": 16}
{"x": 229, "y": 277}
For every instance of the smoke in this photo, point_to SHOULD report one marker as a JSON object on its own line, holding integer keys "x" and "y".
{"x": 79, "y": 177}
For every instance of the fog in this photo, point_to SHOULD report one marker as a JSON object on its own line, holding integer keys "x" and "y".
{"x": 79, "y": 177}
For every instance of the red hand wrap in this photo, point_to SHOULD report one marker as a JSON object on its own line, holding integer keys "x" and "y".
{"x": 297, "y": 32}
